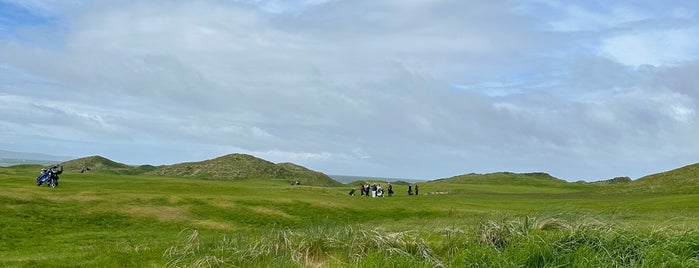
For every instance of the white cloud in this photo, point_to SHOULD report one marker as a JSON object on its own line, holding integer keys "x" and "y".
{"x": 682, "y": 113}
{"x": 357, "y": 87}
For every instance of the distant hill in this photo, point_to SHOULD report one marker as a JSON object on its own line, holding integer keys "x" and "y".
{"x": 99, "y": 164}
{"x": 508, "y": 178}
{"x": 9, "y": 158}
{"x": 681, "y": 180}
{"x": 352, "y": 180}
{"x": 228, "y": 167}
{"x": 617, "y": 180}
{"x": 242, "y": 166}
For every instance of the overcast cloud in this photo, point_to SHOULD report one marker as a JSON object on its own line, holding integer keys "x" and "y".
{"x": 419, "y": 89}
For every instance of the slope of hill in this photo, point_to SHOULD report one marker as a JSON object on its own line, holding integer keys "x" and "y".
{"x": 616, "y": 180}
{"x": 99, "y": 164}
{"x": 309, "y": 177}
{"x": 681, "y": 180}
{"x": 242, "y": 166}
{"x": 532, "y": 179}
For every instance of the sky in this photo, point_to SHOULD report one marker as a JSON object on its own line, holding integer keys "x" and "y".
{"x": 418, "y": 89}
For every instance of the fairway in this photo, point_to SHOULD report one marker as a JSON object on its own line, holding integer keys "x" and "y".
{"x": 109, "y": 220}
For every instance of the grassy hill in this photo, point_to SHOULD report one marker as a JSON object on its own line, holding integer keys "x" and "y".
{"x": 506, "y": 178}
{"x": 616, "y": 180}
{"x": 507, "y": 183}
{"x": 242, "y": 166}
{"x": 228, "y": 167}
{"x": 681, "y": 180}
{"x": 101, "y": 165}
{"x": 307, "y": 176}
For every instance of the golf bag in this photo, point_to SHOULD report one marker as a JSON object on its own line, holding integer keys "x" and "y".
{"x": 50, "y": 177}
{"x": 45, "y": 177}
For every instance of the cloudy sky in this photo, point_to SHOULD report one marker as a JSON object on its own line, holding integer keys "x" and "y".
{"x": 422, "y": 89}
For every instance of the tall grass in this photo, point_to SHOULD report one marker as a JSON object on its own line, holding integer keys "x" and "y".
{"x": 313, "y": 247}
{"x": 520, "y": 241}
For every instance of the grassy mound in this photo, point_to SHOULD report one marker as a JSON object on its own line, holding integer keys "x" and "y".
{"x": 681, "y": 180}
{"x": 508, "y": 178}
{"x": 616, "y": 180}
{"x": 97, "y": 164}
{"x": 307, "y": 176}
{"x": 228, "y": 167}
{"x": 242, "y": 166}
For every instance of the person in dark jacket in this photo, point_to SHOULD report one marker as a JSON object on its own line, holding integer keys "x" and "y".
{"x": 54, "y": 172}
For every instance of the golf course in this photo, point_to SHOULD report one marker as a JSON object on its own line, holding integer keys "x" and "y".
{"x": 240, "y": 211}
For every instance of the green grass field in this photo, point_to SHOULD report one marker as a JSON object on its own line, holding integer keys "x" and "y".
{"x": 500, "y": 220}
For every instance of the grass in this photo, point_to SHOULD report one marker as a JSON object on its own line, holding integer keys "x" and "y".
{"x": 110, "y": 220}
{"x": 525, "y": 241}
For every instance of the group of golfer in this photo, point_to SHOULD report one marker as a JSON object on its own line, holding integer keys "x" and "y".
{"x": 375, "y": 190}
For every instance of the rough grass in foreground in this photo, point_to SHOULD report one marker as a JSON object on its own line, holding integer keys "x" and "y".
{"x": 509, "y": 242}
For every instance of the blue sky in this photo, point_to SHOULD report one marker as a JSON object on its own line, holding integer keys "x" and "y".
{"x": 14, "y": 17}
{"x": 421, "y": 89}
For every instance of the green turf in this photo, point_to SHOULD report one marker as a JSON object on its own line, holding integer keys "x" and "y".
{"x": 495, "y": 220}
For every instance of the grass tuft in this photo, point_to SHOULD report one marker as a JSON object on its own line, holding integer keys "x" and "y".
{"x": 521, "y": 241}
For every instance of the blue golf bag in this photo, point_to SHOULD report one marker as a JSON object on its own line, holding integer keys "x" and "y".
{"x": 45, "y": 177}
{"x": 49, "y": 177}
